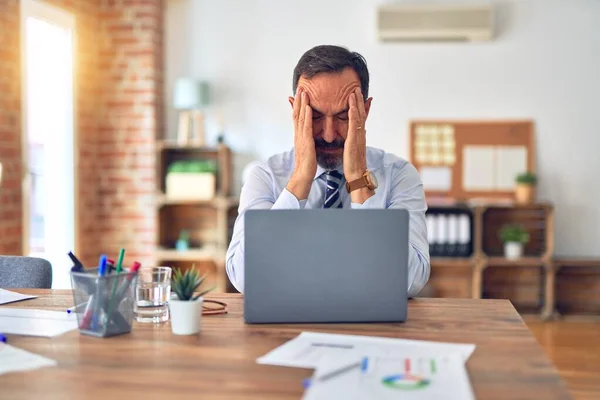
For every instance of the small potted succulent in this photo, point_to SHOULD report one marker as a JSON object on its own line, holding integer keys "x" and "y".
{"x": 525, "y": 188}
{"x": 185, "y": 304}
{"x": 183, "y": 242}
{"x": 513, "y": 237}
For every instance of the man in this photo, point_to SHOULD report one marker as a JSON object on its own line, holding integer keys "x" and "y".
{"x": 330, "y": 110}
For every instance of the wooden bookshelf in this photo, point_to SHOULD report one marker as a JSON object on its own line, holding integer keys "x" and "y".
{"x": 208, "y": 222}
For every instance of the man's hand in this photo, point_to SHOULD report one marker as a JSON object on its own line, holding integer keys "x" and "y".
{"x": 305, "y": 166}
{"x": 355, "y": 147}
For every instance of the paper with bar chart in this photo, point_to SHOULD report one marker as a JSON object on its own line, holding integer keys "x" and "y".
{"x": 381, "y": 377}
{"x": 309, "y": 348}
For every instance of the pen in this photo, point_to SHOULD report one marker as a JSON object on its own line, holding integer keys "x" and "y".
{"x": 120, "y": 261}
{"x": 110, "y": 265}
{"x": 2, "y": 338}
{"x": 115, "y": 281}
{"x": 123, "y": 289}
{"x": 74, "y": 308}
{"x": 87, "y": 314}
{"x": 77, "y": 265}
{"x": 363, "y": 364}
{"x": 132, "y": 271}
{"x": 340, "y": 371}
{"x": 99, "y": 289}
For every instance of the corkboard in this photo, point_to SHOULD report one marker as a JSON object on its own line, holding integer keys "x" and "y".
{"x": 465, "y": 160}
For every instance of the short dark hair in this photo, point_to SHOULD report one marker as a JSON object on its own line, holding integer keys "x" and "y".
{"x": 328, "y": 58}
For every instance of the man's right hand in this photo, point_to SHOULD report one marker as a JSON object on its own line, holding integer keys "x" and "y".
{"x": 305, "y": 166}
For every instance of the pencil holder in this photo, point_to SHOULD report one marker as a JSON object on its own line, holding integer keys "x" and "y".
{"x": 104, "y": 304}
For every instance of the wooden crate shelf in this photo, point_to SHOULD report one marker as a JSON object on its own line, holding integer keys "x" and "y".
{"x": 487, "y": 253}
{"x": 206, "y": 253}
{"x": 452, "y": 262}
{"x": 208, "y": 222}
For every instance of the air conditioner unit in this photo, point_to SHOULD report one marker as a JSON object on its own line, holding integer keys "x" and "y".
{"x": 435, "y": 22}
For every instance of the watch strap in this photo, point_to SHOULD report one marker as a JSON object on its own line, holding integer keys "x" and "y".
{"x": 357, "y": 184}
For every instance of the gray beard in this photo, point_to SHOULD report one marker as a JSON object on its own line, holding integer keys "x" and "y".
{"x": 329, "y": 162}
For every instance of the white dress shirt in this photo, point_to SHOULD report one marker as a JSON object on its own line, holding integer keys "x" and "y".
{"x": 399, "y": 186}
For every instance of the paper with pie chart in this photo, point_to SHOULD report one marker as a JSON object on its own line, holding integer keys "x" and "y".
{"x": 423, "y": 378}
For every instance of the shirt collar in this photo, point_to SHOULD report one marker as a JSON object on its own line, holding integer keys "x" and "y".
{"x": 320, "y": 171}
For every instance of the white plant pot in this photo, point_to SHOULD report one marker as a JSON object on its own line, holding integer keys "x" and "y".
{"x": 186, "y": 316}
{"x": 190, "y": 186}
{"x": 513, "y": 250}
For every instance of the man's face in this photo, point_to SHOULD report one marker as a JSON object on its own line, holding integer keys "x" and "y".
{"x": 328, "y": 96}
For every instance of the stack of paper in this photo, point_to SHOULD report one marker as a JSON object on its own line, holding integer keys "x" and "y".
{"x": 363, "y": 367}
{"x": 13, "y": 359}
{"x": 10, "y": 297}
{"x": 21, "y": 321}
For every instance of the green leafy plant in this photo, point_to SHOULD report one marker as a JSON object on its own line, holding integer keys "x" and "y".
{"x": 184, "y": 284}
{"x": 527, "y": 178}
{"x": 514, "y": 233}
{"x": 193, "y": 167}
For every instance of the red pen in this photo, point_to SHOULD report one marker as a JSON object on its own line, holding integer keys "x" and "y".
{"x": 87, "y": 314}
{"x": 132, "y": 271}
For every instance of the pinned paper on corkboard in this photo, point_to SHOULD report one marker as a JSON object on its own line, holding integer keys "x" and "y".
{"x": 465, "y": 160}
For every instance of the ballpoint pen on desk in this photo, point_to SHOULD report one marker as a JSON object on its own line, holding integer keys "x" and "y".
{"x": 363, "y": 364}
{"x": 2, "y": 338}
{"x": 341, "y": 370}
{"x": 75, "y": 308}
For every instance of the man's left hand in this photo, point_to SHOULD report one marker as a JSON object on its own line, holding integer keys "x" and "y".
{"x": 355, "y": 147}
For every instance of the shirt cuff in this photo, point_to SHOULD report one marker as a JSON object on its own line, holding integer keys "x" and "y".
{"x": 287, "y": 201}
{"x": 366, "y": 204}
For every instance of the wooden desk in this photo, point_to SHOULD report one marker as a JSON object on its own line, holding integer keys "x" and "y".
{"x": 151, "y": 363}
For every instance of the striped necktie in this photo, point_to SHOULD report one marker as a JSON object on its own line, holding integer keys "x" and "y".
{"x": 333, "y": 180}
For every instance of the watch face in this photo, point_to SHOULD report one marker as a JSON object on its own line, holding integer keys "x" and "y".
{"x": 372, "y": 180}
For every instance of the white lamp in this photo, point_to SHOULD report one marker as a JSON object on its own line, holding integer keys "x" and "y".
{"x": 189, "y": 97}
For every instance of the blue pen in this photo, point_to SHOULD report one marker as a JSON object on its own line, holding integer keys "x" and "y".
{"x": 101, "y": 273}
{"x": 2, "y": 338}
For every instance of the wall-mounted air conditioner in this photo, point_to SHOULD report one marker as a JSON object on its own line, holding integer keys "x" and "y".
{"x": 435, "y": 22}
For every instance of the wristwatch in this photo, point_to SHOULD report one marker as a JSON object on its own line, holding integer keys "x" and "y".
{"x": 367, "y": 179}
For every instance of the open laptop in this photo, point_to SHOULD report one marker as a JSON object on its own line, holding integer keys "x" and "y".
{"x": 323, "y": 265}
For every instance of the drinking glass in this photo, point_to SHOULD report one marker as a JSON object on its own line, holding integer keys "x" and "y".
{"x": 152, "y": 294}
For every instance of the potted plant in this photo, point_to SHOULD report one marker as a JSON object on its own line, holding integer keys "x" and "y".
{"x": 525, "y": 188}
{"x": 191, "y": 180}
{"x": 513, "y": 237}
{"x": 186, "y": 306}
{"x": 183, "y": 242}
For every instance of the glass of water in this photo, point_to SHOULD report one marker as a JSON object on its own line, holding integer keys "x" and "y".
{"x": 152, "y": 294}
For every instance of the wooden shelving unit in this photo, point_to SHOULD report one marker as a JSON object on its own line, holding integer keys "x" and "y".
{"x": 209, "y": 222}
{"x": 487, "y": 250}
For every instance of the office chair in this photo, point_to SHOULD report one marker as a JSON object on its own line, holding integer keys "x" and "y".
{"x": 25, "y": 272}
